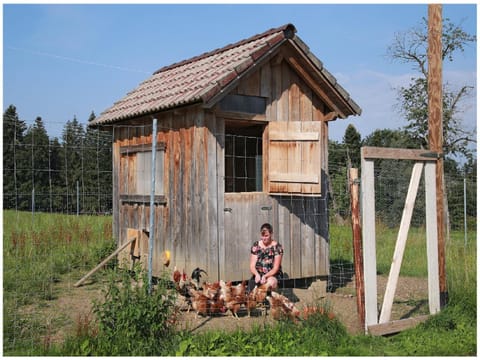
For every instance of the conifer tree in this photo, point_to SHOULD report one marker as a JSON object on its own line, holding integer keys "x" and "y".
{"x": 13, "y": 156}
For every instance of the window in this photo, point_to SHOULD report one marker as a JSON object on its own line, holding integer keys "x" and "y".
{"x": 243, "y": 158}
{"x": 136, "y": 173}
{"x": 244, "y": 103}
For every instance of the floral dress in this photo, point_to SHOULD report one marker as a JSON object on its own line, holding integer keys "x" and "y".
{"x": 265, "y": 257}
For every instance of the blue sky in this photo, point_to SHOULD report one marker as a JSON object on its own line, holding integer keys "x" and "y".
{"x": 61, "y": 61}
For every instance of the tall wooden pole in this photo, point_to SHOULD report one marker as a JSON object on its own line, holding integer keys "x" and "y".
{"x": 435, "y": 127}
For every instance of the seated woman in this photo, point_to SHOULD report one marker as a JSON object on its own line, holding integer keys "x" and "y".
{"x": 265, "y": 259}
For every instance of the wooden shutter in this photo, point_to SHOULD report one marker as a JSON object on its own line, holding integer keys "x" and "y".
{"x": 294, "y": 157}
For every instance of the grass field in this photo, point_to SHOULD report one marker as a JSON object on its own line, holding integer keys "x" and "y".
{"x": 44, "y": 250}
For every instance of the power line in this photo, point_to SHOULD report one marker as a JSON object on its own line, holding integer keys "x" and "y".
{"x": 80, "y": 61}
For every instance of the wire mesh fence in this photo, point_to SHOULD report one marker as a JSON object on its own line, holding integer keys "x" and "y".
{"x": 56, "y": 193}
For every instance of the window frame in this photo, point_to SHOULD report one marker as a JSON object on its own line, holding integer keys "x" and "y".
{"x": 137, "y": 197}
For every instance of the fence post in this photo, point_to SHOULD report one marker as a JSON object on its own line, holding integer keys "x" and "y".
{"x": 465, "y": 209}
{"x": 152, "y": 204}
{"x": 33, "y": 203}
{"x": 78, "y": 199}
{"x": 357, "y": 244}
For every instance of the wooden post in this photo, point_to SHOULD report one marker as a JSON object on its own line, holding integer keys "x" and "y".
{"x": 357, "y": 244}
{"x": 368, "y": 241}
{"x": 435, "y": 126}
{"x": 103, "y": 262}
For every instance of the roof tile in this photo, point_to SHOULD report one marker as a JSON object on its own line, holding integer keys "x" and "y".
{"x": 200, "y": 78}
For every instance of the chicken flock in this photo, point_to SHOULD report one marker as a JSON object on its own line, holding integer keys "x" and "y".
{"x": 220, "y": 297}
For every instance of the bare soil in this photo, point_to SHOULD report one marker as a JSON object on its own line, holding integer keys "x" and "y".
{"x": 71, "y": 310}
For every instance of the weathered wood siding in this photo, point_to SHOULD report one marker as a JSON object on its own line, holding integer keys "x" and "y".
{"x": 187, "y": 224}
{"x": 201, "y": 225}
{"x": 300, "y": 222}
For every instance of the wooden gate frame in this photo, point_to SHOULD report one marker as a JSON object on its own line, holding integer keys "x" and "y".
{"x": 381, "y": 325}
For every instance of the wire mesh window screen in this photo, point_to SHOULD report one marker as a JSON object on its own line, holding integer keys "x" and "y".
{"x": 243, "y": 163}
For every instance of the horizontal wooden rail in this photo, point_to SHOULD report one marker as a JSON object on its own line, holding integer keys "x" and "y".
{"x": 372, "y": 152}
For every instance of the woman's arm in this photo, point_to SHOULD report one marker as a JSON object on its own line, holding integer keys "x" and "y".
{"x": 253, "y": 269}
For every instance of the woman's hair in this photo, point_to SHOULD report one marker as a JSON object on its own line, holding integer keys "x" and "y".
{"x": 267, "y": 226}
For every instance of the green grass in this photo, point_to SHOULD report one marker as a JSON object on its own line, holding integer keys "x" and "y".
{"x": 42, "y": 250}
{"x": 39, "y": 251}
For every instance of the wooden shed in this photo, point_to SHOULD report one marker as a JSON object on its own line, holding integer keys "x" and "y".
{"x": 242, "y": 139}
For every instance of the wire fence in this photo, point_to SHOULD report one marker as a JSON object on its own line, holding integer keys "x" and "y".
{"x": 73, "y": 176}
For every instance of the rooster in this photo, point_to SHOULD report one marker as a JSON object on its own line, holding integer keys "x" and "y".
{"x": 281, "y": 307}
{"x": 196, "y": 275}
{"x": 182, "y": 285}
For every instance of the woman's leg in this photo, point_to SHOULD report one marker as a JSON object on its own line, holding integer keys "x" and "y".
{"x": 273, "y": 282}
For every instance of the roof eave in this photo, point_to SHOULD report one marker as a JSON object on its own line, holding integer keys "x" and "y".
{"x": 351, "y": 107}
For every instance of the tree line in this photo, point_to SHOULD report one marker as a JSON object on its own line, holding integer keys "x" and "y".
{"x": 74, "y": 173}
{"x": 70, "y": 174}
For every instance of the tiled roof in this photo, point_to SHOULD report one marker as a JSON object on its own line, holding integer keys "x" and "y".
{"x": 197, "y": 79}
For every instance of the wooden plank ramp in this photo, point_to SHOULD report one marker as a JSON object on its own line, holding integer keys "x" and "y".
{"x": 396, "y": 326}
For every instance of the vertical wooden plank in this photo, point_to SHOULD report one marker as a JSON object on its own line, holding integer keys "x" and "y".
{"x": 308, "y": 237}
{"x": 276, "y": 91}
{"x": 252, "y": 86}
{"x": 116, "y": 168}
{"x": 368, "y": 236}
{"x": 294, "y": 99}
{"x": 311, "y": 162}
{"x": 306, "y": 105}
{"x": 294, "y": 156}
{"x": 170, "y": 190}
{"x": 283, "y": 235}
{"x": 432, "y": 248}
{"x": 177, "y": 181}
{"x": 200, "y": 237}
{"x": 220, "y": 195}
{"x": 283, "y": 100}
{"x": 401, "y": 243}
{"x": 296, "y": 236}
{"x": 266, "y": 87}
{"x": 278, "y": 157}
{"x": 213, "y": 181}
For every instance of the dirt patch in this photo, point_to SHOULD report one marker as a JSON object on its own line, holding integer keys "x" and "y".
{"x": 73, "y": 307}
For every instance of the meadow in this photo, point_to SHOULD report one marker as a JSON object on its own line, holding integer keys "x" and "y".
{"x": 43, "y": 252}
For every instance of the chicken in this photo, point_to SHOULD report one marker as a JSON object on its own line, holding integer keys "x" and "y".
{"x": 200, "y": 303}
{"x": 281, "y": 307}
{"x": 182, "y": 285}
{"x": 176, "y": 275}
{"x": 204, "y": 305}
{"x": 211, "y": 290}
{"x": 196, "y": 275}
{"x": 257, "y": 297}
{"x": 216, "y": 305}
{"x": 233, "y": 296}
{"x": 314, "y": 310}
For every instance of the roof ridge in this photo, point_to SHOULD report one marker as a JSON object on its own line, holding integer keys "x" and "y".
{"x": 288, "y": 30}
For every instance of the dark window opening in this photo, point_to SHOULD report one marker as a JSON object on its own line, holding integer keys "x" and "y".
{"x": 244, "y": 103}
{"x": 243, "y": 159}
